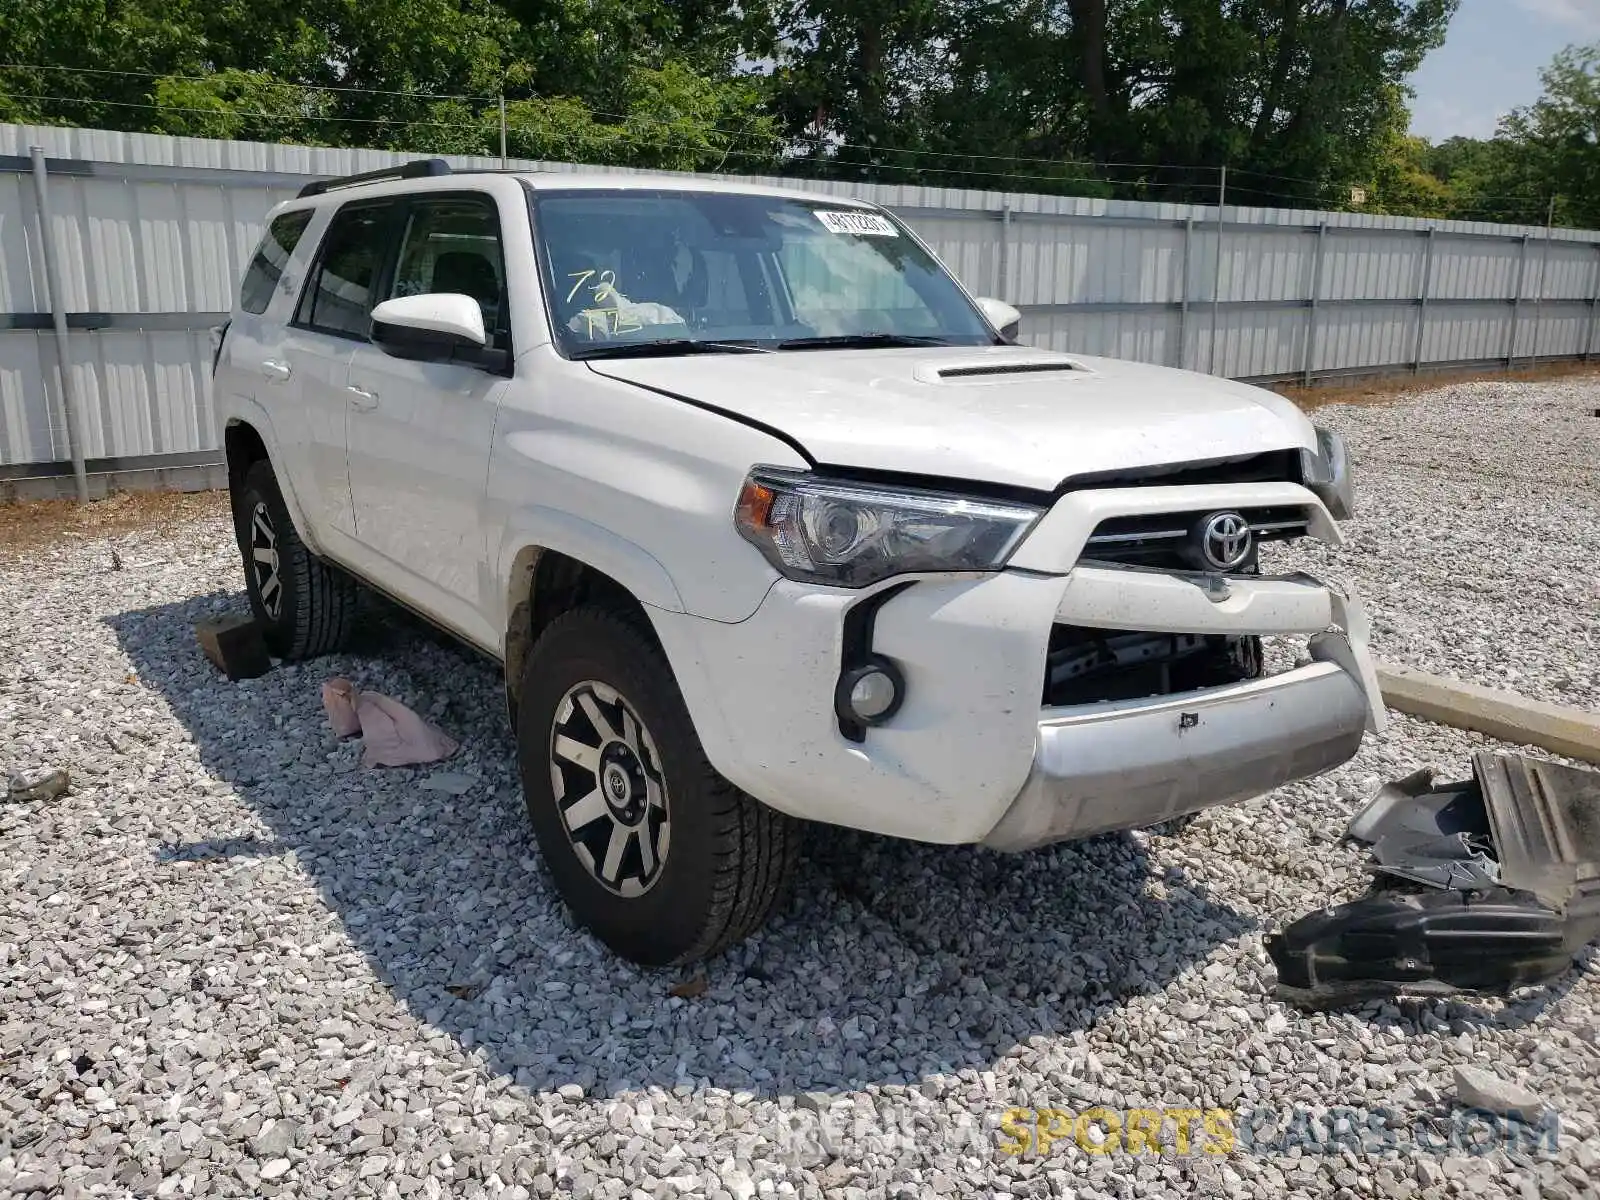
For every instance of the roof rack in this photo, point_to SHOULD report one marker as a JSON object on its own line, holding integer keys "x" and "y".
{"x": 416, "y": 169}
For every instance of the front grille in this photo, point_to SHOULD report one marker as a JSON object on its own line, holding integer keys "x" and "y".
{"x": 1087, "y": 666}
{"x": 1167, "y": 540}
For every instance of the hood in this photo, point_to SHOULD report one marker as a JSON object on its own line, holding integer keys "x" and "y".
{"x": 1001, "y": 414}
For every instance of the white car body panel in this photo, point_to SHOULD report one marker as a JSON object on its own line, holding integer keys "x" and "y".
{"x": 440, "y": 483}
{"x": 880, "y": 409}
{"x": 249, "y": 390}
{"x": 658, "y": 476}
{"x": 418, "y": 456}
{"x": 320, "y": 404}
{"x": 943, "y": 770}
{"x": 973, "y": 654}
{"x": 1110, "y": 599}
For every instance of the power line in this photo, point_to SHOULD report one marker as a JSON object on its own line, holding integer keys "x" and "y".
{"x": 633, "y": 137}
{"x": 1536, "y": 197}
{"x": 1111, "y": 173}
{"x": 233, "y": 112}
{"x": 778, "y": 139}
{"x": 819, "y": 139}
{"x": 314, "y": 87}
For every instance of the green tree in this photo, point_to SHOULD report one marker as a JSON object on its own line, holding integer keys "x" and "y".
{"x": 1550, "y": 149}
{"x": 601, "y": 76}
{"x": 1401, "y": 180}
{"x": 240, "y": 104}
{"x": 1296, "y": 95}
{"x": 853, "y": 79}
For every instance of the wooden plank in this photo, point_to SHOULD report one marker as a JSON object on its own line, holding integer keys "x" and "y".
{"x": 1571, "y": 732}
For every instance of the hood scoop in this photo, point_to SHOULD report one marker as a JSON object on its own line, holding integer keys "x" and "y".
{"x": 996, "y": 369}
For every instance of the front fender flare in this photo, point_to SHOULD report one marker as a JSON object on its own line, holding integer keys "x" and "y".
{"x": 546, "y": 528}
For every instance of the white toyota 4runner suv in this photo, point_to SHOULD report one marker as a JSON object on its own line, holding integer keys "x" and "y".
{"x": 769, "y": 521}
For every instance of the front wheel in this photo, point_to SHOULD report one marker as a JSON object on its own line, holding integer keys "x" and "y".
{"x": 653, "y": 851}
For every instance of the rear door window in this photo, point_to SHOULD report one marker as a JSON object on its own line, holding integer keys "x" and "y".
{"x": 266, "y": 268}
{"x": 339, "y": 296}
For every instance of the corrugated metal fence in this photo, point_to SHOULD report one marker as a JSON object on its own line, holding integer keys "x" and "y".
{"x": 152, "y": 232}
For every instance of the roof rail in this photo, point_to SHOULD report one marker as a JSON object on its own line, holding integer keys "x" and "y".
{"x": 415, "y": 169}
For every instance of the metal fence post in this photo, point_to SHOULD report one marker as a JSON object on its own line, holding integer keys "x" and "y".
{"x": 58, "y": 317}
{"x": 1544, "y": 272}
{"x": 1216, "y": 275}
{"x": 1002, "y": 270}
{"x": 1594, "y": 305}
{"x": 1311, "y": 313}
{"x": 503, "y": 159}
{"x": 1516, "y": 304}
{"x": 1183, "y": 294}
{"x": 1422, "y": 301}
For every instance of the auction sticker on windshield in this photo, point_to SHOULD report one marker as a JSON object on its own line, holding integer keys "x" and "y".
{"x": 864, "y": 223}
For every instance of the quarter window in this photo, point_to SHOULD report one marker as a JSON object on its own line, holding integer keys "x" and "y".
{"x": 266, "y": 268}
{"x": 339, "y": 299}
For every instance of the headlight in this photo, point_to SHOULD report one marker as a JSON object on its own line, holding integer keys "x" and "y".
{"x": 1327, "y": 473}
{"x": 850, "y": 534}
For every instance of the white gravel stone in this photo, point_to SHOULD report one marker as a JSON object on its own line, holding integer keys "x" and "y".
{"x": 232, "y": 961}
{"x": 451, "y": 783}
{"x": 1479, "y": 1088}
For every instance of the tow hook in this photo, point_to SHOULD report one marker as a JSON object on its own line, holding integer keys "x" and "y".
{"x": 1485, "y": 885}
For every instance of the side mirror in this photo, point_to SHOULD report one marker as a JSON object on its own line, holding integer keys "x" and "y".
{"x": 1006, "y": 320}
{"x": 433, "y": 325}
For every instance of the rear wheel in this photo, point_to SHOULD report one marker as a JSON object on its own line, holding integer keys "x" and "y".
{"x": 658, "y": 855}
{"x": 304, "y": 606}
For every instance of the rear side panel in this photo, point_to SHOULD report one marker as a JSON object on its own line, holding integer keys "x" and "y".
{"x": 246, "y": 392}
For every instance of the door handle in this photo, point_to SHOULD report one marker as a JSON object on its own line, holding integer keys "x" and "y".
{"x": 361, "y": 399}
{"x": 276, "y": 370}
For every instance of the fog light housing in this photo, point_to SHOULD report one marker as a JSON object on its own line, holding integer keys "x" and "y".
{"x": 869, "y": 694}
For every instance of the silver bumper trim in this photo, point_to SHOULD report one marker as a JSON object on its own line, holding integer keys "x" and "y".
{"x": 1128, "y": 764}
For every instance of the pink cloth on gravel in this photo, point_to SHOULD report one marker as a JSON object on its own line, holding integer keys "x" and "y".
{"x": 339, "y": 702}
{"x": 394, "y": 736}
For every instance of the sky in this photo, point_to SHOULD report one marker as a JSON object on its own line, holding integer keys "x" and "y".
{"x": 1490, "y": 62}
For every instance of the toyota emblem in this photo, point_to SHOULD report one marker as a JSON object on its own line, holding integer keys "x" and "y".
{"x": 1225, "y": 540}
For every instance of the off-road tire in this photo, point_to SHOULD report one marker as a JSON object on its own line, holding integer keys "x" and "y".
{"x": 312, "y": 608}
{"x": 728, "y": 856}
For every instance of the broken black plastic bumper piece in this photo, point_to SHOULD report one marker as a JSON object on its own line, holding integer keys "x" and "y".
{"x": 1489, "y": 941}
{"x": 1513, "y": 858}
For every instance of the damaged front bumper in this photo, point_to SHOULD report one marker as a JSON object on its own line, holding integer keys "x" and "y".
{"x": 1124, "y": 764}
{"x": 1510, "y": 864}
{"x": 1130, "y": 764}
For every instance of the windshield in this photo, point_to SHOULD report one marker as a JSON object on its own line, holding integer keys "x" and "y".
{"x": 661, "y": 271}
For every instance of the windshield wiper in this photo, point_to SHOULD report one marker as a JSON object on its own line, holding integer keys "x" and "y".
{"x": 851, "y": 341}
{"x": 666, "y": 348}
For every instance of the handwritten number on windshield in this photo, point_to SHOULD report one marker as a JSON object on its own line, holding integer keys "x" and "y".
{"x": 582, "y": 277}
{"x": 608, "y": 319}
{"x": 602, "y": 291}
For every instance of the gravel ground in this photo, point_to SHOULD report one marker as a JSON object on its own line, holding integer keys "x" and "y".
{"x": 234, "y": 963}
{"x": 1478, "y": 543}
